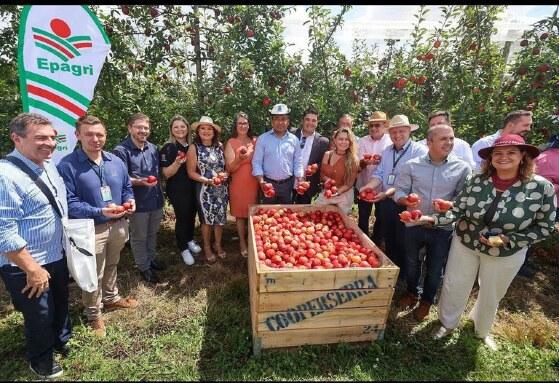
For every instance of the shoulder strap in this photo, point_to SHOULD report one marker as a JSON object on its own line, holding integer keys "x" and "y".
{"x": 39, "y": 182}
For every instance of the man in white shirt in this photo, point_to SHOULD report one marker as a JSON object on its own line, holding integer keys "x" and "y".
{"x": 461, "y": 148}
{"x": 374, "y": 143}
{"x": 517, "y": 122}
{"x": 313, "y": 146}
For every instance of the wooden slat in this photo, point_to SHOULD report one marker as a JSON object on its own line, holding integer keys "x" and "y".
{"x": 252, "y": 277}
{"x": 282, "y": 321}
{"x": 321, "y": 279}
{"x": 342, "y": 298}
{"x": 321, "y": 336}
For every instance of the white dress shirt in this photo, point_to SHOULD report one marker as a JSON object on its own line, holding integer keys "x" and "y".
{"x": 369, "y": 146}
{"x": 306, "y": 151}
{"x": 483, "y": 142}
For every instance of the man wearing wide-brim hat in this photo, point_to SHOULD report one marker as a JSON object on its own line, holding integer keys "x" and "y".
{"x": 388, "y": 228}
{"x": 370, "y": 145}
{"x": 277, "y": 159}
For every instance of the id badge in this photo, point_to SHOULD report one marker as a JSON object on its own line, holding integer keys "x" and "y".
{"x": 391, "y": 179}
{"x": 106, "y": 193}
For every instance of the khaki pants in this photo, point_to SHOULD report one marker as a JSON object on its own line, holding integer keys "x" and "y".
{"x": 495, "y": 275}
{"x": 109, "y": 241}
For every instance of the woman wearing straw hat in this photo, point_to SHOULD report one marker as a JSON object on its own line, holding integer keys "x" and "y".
{"x": 498, "y": 214}
{"x": 206, "y": 165}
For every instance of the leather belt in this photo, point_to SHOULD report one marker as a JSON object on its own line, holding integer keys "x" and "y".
{"x": 280, "y": 181}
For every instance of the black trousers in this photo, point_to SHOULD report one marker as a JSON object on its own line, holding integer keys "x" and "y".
{"x": 389, "y": 228}
{"x": 284, "y": 192}
{"x": 184, "y": 204}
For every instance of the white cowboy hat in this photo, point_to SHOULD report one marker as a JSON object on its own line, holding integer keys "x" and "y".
{"x": 205, "y": 120}
{"x": 401, "y": 120}
{"x": 279, "y": 109}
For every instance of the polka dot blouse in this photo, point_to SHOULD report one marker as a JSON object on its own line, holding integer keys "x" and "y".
{"x": 525, "y": 213}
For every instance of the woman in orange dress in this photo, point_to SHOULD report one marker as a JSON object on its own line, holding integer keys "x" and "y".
{"x": 340, "y": 164}
{"x": 243, "y": 186}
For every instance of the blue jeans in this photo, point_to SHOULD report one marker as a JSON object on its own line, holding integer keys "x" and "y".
{"x": 389, "y": 228}
{"x": 437, "y": 245}
{"x": 46, "y": 319}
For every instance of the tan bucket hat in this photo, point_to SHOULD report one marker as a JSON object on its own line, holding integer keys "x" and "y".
{"x": 401, "y": 120}
{"x": 205, "y": 120}
{"x": 378, "y": 116}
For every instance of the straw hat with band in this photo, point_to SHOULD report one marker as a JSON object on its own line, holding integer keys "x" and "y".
{"x": 378, "y": 116}
{"x": 279, "y": 109}
{"x": 510, "y": 140}
{"x": 400, "y": 120}
{"x": 205, "y": 120}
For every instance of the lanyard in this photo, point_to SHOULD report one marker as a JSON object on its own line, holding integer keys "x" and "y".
{"x": 99, "y": 170}
{"x": 394, "y": 160}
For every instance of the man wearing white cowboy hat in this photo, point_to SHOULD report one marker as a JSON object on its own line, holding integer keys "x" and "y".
{"x": 277, "y": 158}
{"x": 373, "y": 143}
{"x": 393, "y": 157}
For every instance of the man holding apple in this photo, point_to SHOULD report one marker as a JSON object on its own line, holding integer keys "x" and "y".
{"x": 98, "y": 187}
{"x": 427, "y": 184}
{"x": 277, "y": 159}
{"x": 313, "y": 146}
{"x": 142, "y": 160}
{"x": 370, "y": 148}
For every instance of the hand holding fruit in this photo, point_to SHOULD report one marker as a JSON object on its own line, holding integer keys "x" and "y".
{"x": 367, "y": 194}
{"x": 330, "y": 188}
{"x": 181, "y": 158}
{"x": 441, "y": 205}
{"x": 268, "y": 189}
{"x": 243, "y": 152}
{"x": 302, "y": 187}
{"x": 149, "y": 181}
{"x": 413, "y": 216}
{"x": 412, "y": 201}
{"x": 311, "y": 169}
{"x": 113, "y": 210}
{"x": 371, "y": 159}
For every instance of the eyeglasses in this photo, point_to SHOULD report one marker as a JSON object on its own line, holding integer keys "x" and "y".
{"x": 303, "y": 141}
{"x": 376, "y": 125}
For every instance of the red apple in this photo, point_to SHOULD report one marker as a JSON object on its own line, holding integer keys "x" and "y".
{"x": 266, "y": 101}
{"x": 127, "y": 205}
{"x": 405, "y": 216}
{"x": 415, "y": 214}
{"x": 412, "y": 198}
{"x": 377, "y": 157}
{"x": 151, "y": 179}
{"x": 267, "y": 187}
{"x": 216, "y": 181}
{"x": 437, "y": 43}
{"x": 524, "y": 43}
{"x": 328, "y": 193}
{"x": 347, "y": 72}
{"x": 249, "y": 33}
{"x": 367, "y": 157}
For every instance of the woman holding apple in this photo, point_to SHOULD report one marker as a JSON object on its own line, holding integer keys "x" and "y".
{"x": 339, "y": 170}
{"x": 498, "y": 214}
{"x": 180, "y": 189}
{"x": 205, "y": 164}
{"x": 243, "y": 187}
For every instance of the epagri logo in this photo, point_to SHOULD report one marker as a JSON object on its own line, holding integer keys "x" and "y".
{"x": 64, "y": 46}
{"x": 61, "y": 143}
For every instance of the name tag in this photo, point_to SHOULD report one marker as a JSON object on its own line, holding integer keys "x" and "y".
{"x": 391, "y": 179}
{"x": 106, "y": 193}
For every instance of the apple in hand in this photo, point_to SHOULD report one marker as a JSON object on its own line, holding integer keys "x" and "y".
{"x": 405, "y": 216}
{"x": 127, "y": 205}
{"x": 416, "y": 214}
{"x": 412, "y": 198}
{"x": 151, "y": 179}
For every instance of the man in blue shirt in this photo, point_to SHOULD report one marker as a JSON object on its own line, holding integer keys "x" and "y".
{"x": 439, "y": 175}
{"x": 277, "y": 158}
{"x": 388, "y": 227}
{"x": 142, "y": 161}
{"x": 97, "y": 183}
{"x": 32, "y": 264}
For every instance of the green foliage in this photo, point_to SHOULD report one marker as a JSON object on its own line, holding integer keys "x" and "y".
{"x": 218, "y": 60}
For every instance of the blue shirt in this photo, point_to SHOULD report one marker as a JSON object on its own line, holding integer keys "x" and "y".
{"x": 142, "y": 163}
{"x": 277, "y": 158}
{"x": 393, "y": 160}
{"x": 430, "y": 181}
{"x": 83, "y": 183}
{"x": 27, "y": 219}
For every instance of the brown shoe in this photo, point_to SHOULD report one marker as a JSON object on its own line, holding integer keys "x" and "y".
{"x": 422, "y": 310}
{"x": 98, "y": 327}
{"x": 408, "y": 300}
{"x": 122, "y": 303}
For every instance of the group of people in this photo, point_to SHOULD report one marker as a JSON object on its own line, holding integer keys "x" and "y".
{"x": 491, "y": 188}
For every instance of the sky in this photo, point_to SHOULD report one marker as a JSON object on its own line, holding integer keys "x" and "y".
{"x": 374, "y": 23}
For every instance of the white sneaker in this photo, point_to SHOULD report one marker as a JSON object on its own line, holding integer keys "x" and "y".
{"x": 187, "y": 257}
{"x": 443, "y": 331}
{"x": 490, "y": 343}
{"x": 194, "y": 247}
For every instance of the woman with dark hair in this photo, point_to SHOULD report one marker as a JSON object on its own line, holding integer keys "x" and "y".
{"x": 243, "y": 187}
{"x": 180, "y": 189}
{"x": 206, "y": 165}
{"x": 498, "y": 214}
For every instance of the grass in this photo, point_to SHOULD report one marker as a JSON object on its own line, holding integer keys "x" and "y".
{"x": 196, "y": 326}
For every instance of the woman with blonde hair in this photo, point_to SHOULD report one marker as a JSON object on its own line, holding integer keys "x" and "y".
{"x": 498, "y": 214}
{"x": 179, "y": 188}
{"x": 340, "y": 164}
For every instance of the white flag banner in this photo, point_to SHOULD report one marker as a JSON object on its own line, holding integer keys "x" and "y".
{"x": 61, "y": 51}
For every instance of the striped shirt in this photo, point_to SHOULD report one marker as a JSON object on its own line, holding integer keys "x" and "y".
{"x": 27, "y": 219}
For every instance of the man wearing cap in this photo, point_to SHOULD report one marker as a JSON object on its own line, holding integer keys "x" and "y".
{"x": 517, "y": 122}
{"x": 142, "y": 161}
{"x": 313, "y": 146}
{"x": 393, "y": 158}
{"x": 277, "y": 158}
{"x": 438, "y": 175}
{"x": 372, "y": 144}
{"x": 461, "y": 148}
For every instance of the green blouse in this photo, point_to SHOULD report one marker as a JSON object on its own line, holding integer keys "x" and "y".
{"x": 525, "y": 213}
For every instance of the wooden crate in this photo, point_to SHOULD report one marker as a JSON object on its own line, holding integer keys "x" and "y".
{"x": 293, "y": 307}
